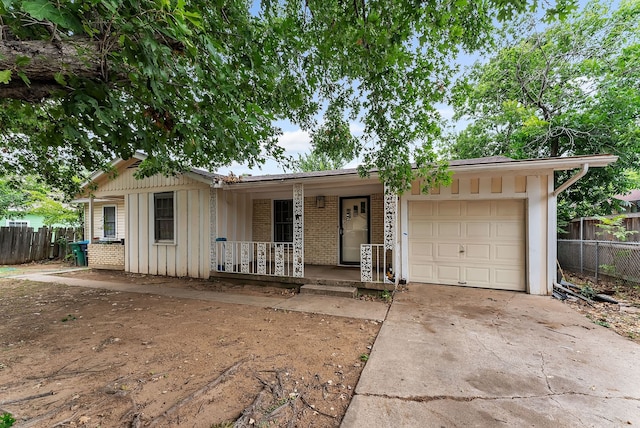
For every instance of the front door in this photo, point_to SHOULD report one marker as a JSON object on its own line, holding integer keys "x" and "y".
{"x": 354, "y": 228}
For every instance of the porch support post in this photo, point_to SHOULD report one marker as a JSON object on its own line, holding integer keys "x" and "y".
{"x": 91, "y": 225}
{"x": 213, "y": 223}
{"x": 298, "y": 230}
{"x": 390, "y": 228}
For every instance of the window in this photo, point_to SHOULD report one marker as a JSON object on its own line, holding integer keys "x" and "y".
{"x": 163, "y": 215}
{"x": 283, "y": 220}
{"x": 109, "y": 221}
{"x": 18, "y": 223}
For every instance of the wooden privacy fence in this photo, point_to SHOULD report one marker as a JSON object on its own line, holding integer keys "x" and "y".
{"x": 23, "y": 244}
{"x": 587, "y": 229}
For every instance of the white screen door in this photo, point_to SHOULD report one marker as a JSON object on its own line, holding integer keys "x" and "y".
{"x": 354, "y": 228}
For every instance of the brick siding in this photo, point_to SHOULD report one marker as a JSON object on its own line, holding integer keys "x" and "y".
{"x": 106, "y": 256}
{"x": 321, "y": 226}
{"x": 321, "y": 231}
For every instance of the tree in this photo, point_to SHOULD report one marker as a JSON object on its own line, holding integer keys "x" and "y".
{"x": 572, "y": 88}
{"x": 11, "y": 199}
{"x": 27, "y": 195}
{"x": 316, "y": 161}
{"x": 200, "y": 83}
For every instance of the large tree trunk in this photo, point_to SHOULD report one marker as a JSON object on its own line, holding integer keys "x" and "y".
{"x": 45, "y": 59}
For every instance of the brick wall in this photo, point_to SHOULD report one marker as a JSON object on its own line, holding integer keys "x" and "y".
{"x": 321, "y": 226}
{"x": 261, "y": 227}
{"x": 106, "y": 256}
{"x": 321, "y": 231}
{"x": 377, "y": 218}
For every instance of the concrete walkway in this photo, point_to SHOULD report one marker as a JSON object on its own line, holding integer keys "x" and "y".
{"x": 457, "y": 357}
{"x": 337, "y": 306}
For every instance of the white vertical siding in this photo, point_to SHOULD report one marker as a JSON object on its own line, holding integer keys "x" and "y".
{"x": 188, "y": 255}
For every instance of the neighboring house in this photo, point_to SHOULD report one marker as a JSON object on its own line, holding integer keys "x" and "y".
{"x": 26, "y": 220}
{"x": 631, "y": 201}
{"x": 493, "y": 227}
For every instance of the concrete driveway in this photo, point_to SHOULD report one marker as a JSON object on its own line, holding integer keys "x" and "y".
{"x": 454, "y": 356}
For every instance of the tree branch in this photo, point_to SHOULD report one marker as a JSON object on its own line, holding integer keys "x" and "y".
{"x": 42, "y": 61}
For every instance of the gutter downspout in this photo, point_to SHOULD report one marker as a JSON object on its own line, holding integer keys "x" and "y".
{"x": 90, "y": 219}
{"x": 564, "y": 186}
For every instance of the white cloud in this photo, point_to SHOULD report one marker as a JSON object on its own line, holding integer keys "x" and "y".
{"x": 446, "y": 112}
{"x": 295, "y": 142}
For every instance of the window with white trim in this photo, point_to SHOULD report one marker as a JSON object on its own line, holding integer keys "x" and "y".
{"x": 109, "y": 221}
{"x": 18, "y": 223}
{"x": 163, "y": 215}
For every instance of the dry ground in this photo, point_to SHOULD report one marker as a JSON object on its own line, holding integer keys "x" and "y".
{"x": 97, "y": 358}
{"x": 623, "y": 318}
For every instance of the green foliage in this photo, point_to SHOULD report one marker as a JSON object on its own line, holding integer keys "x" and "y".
{"x": 27, "y": 195}
{"x": 588, "y": 291}
{"x": 6, "y": 420}
{"x": 614, "y": 227}
{"x": 11, "y": 198}
{"x": 316, "y": 161}
{"x": 568, "y": 89}
{"x": 364, "y": 357}
{"x": 200, "y": 84}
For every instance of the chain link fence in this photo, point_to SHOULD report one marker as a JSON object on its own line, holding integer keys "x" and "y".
{"x": 601, "y": 259}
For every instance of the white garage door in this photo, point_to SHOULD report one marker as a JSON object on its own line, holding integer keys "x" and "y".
{"x": 471, "y": 243}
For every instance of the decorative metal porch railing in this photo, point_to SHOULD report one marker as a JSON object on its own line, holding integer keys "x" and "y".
{"x": 375, "y": 264}
{"x": 257, "y": 258}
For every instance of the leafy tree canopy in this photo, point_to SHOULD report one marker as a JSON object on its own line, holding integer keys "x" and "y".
{"x": 316, "y": 161}
{"x": 572, "y": 88}
{"x": 196, "y": 83}
{"x": 28, "y": 195}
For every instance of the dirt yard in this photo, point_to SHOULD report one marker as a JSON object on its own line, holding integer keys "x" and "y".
{"x": 623, "y": 317}
{"x": 96, "y": 358}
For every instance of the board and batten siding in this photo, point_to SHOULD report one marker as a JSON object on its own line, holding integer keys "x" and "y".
{"x": 125, "y": 181}
{"x": 188, "y": 255}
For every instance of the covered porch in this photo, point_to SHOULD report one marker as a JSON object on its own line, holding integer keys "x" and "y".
{"x": 340, "y": 229}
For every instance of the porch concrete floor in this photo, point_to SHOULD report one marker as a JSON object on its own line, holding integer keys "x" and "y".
{"x": 336, "y": 273}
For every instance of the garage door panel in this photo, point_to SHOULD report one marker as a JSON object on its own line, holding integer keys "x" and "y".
{"x": 448, "y": 230}
{"x": 478, "y": 252}
{"x": 423, "y": 229}
{"x": 477, "y": 276}
{"x": 509, "y": 279}
{"x": 478, "y": 230}
{"x": 420, "y": 209}
{"x": 509, "y": 230}
{"x": 450, "y": 274}
{"x": 479, "y": 208}
{"x": 508, "y": 253}
{"x": 491, "y": 233}
{"x": 509, "y": 208}
{"x": 425, "y": 271}
{"x": 449, "y": 208}
{"x": 448, "y": 251}
{"x": 421, "y": 250}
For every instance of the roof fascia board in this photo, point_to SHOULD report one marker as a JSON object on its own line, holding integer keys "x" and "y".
{"x": 534, "y": 166}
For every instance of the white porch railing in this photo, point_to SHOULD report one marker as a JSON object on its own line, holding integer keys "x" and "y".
{"x": 375, "y": 264}
{"x": 257, "y": 258}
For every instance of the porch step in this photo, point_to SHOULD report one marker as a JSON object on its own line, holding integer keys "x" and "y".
{"x": 329, "y": 290}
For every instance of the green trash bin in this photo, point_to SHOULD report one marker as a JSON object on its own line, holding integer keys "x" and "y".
{"x": 78, "y": 254}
